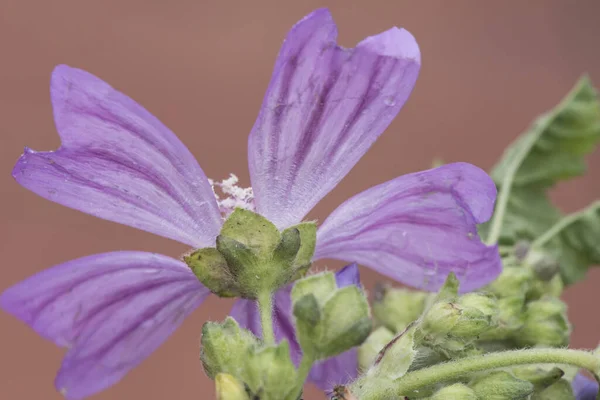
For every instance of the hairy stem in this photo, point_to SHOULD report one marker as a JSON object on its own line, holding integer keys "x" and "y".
{"x": 303, "y": 370}
{"x": 456, "y": 369}
{"x": 265, "y": 306}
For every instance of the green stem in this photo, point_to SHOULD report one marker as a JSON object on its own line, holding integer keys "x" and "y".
{"x": 265, "y": 306}
{"x": 456, "y": 369}
{"x": 505, "y": 188}
{"x": 303, "y": 370}
{"x": 560, "y": 225}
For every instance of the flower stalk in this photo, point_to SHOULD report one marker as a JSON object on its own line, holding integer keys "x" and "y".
{"x": 265, "y": 306}
{"x": 456, "y": 369}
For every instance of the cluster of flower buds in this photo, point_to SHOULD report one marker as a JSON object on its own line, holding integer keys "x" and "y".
{"x": 243, "y": 367}
{"x": 329, "y": 320}
{"x": 417, "y": 330}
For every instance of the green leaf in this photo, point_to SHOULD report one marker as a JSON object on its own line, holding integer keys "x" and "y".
{"x": 573, "y": 242}
{"x": 551, "y": 150}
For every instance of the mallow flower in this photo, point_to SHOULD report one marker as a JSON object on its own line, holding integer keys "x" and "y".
{"x": 324, "y": 107}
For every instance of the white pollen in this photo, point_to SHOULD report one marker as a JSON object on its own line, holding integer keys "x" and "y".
{"x": 232, "y": 196}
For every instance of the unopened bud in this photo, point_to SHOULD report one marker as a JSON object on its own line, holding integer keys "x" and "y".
{"x": 458, "y": 391}
{"x": 454, "y": 325}
{"x": 540, "y": 377}
{"x": 500, "y": 385}
{"x": 229, "y": 388}
{"x": 224, "y": 345}
{"x": 396, "y": 308}
{"x": 546, "y": 324}
{"x": 510, "y": 318}
{"x": 560, "y": 390}
{"x": 543, "y": 264}
{"x": 513, "y": 281}
{"x": 329, "y": 320}
{"x": 554, "y": 288}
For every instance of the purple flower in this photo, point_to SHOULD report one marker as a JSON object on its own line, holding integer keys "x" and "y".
{"x": 323, "y": 109}
{"x": 584, "y": 388}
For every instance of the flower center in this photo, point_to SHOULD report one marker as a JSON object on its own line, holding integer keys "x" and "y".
{"x": 231, "y": 196}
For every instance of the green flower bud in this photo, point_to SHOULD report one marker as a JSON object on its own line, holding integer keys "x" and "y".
{"x": 540, "y": 288}
{"x": 453, "y": 326}
{"x": 253, "y": 257}
{"x": 513, "y": 281}
{"x": 458, "y": 391}
{"x": 224, "y": 345}
{"x": 510, "y": 318}
{"x": 543, "y": 264}
{"x": 546, "y": 324}
{"x": 541, "y": 377}
{"x": 269, "y": 372}
{"x": 396, "y": 308}
{"x": 229, "y": 388}
{"x": 329, "y": 320}
{"x": 561, "y": 390}
{"x": 369, "y": 350}
{"x": 500, "y": 385}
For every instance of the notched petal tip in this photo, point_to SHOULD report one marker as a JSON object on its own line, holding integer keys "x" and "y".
{"x": 320, "y": 14}
{"x": 476, "y": 188}
{"x": 395, "y": 42}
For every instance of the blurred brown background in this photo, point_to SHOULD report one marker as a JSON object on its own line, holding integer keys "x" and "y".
{"x": 202, "y": 67}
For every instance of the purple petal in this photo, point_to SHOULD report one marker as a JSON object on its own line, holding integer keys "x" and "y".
{"x": 417, "y": 228}
{"x": 325, "y": 374}
{"x": 338, "y": 370}
{"x": 349, "y": 275}
{"x": 111, "y": 310}
{"x": 584, "y": 388}
{"x": 323, "y": 109}
{"x": 118, "y": 162}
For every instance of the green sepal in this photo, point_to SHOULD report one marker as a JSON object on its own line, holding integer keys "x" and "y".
{"x": 321, "y": 286}
{"x": 252, "y": 230}
{"x": 396, "y": 308}
{"x": 286, "y": 251}
{"x": 346, "y": 321}
{"x": 457, "y": 391}
{"x": 269, "y": 371}
{"x": 546, "y": 324}
{"x": 501, "y": 385}
{"x": 540, "y": 377}
{"x": 560, "y": 390}
{"x": 223, "y": 346}
{"x": 211, "y": 268}
{"x": 329, "y": 320}
{"x": 229, "y": 388}
{"x": 308, "y": 241}
{"x": 307, "y": 310}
